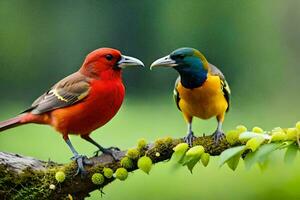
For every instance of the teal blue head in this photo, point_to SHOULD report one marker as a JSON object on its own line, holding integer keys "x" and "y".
{"x": 191, "y": 65}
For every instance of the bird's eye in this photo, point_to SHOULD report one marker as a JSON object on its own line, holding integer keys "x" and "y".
{"x": 180, "y": 56}
{"x": 109, "y": 57}
{"x": 177, "y": 56}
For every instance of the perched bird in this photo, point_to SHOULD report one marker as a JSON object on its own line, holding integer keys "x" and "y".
{"x": 200, "y": 90}
{"x": 83, "y": 101}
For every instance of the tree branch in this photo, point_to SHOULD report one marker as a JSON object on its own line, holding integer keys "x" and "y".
{"x": 28, "y": 178}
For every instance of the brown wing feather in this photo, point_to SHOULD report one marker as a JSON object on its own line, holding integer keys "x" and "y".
{"x": 66, "y": 92}
{"x": 213, "y": 70}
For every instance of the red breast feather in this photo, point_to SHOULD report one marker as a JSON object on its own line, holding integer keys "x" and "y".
{"x": 101, "y": 105}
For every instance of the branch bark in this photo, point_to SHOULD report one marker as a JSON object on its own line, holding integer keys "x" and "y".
{"x": 29, "y": 178}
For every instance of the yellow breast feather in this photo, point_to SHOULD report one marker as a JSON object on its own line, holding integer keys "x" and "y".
{"x": 205, "y": 101}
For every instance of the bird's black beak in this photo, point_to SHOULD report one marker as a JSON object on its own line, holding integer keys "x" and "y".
{"x": 166, "y": 61}
{"x": 127, "y": 61}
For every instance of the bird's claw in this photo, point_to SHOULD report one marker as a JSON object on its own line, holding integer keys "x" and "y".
{"x": 189, "y": 139}
{"x": 110, "y": 151}
{"x": 81, "y": 160}
{"x": 218, "y": 136}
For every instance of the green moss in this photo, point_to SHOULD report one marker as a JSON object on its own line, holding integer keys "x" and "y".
{"x": 28, "y": 185}
{"x": 167, "y": 141}
{"x": 164, "y": 147}
{"x": 210, "y": 147}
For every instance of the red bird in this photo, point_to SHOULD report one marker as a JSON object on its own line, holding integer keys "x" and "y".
{"x": 83, "y": 101}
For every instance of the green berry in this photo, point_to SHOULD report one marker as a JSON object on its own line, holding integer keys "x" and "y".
{"x": 127, "y": 163}
{"x": 278, "y": 136}
{"x": 157, "y": 154}
{"x": 182, "y": 147}
{"x": 195, "y": 151}
{"x": 205, "y": 159}
{"x": 133, "y": 153}
{"x": 241, "y": 128}
{"x": 142, "y": 143}
{"x": 298, "y": 126}
{"x": 60, "y": 176}
{"x": 254, "y": 143}
{"x": 145, "y": 164}
{"x": 232, "y": 136}
{"x": 97, "y": 179}
{"x": 121, "y": 174}
{"x": 257, "y": 129}
{"x": 291, "y": 134}
{"x": 108, "y": 172}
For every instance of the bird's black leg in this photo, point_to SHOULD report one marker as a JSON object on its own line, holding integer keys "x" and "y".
{"x": 81, "y": 160}
{"x": 218, "y": 135}
{"x": 189, "y": 138}
{"x": 111, "y": 150}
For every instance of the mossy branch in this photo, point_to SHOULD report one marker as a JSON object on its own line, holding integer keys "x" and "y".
{"x": 28, "y": 178}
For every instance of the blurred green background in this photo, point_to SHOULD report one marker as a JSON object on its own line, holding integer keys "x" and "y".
{"x": 255, "y": 43}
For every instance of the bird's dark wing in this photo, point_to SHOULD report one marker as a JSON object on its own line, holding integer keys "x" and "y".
{"x": 176, "y": 94}
{"x": 213, "y": 70}
{"x": 66, "y": 92}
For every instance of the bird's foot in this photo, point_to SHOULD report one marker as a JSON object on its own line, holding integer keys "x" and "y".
{"x": 81, "y": 160}
{"x": 218, "y": 136}
{"x": 189, "y": 139}
{"x": 110, "y": 151}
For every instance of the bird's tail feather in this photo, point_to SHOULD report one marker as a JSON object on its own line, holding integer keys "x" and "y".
{"x": 10, "y": 123}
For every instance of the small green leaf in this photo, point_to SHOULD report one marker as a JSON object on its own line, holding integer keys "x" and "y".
{"x": 234, "y": 161}
{"x": 264, "y": 164}
{"x": 229, "y": 153}
{"x": 192, "y": 156}
{"x": 179, "y": 152}
{"x": 291, "y": 153}
{"x": 261, "y": 154}
{"x": 192, "y": 164}
{"x": 205, "y": 159}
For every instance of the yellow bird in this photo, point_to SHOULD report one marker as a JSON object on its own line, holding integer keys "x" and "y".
{"x": 200, "y": 90}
